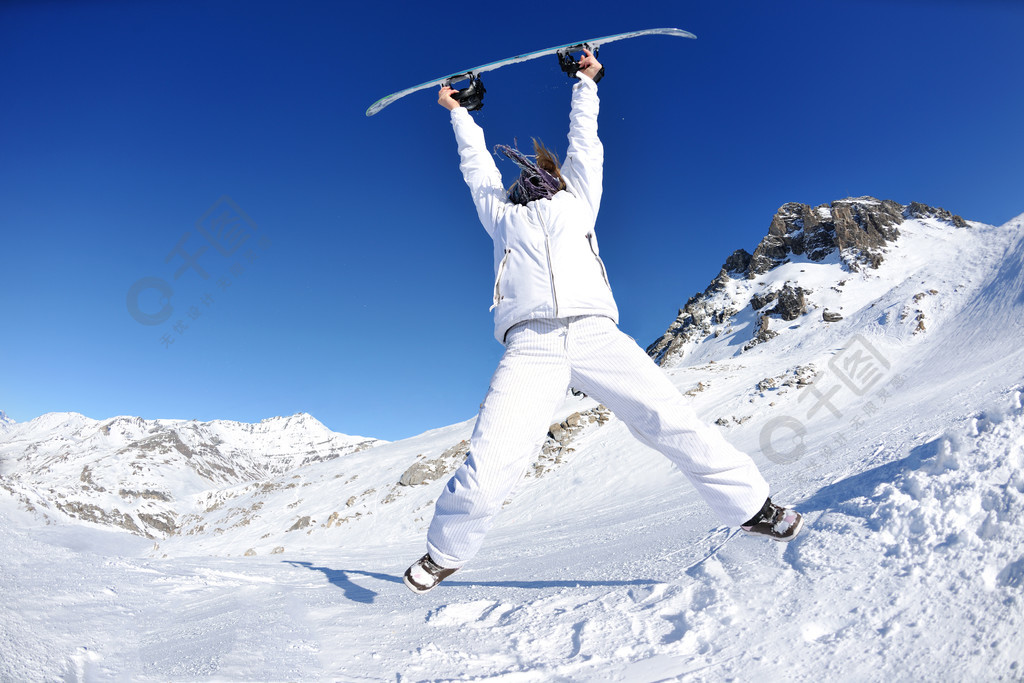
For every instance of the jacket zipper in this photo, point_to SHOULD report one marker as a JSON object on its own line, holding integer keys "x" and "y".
{"x": 604, "y": 273}
{"x": 551, "y": 270}
{"x": 497, "y": 279}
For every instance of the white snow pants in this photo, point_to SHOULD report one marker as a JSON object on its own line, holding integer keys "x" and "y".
{"x": 542, "y": 359}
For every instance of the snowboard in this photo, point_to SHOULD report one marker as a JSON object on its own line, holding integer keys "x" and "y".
{"x": 473, "y": 95}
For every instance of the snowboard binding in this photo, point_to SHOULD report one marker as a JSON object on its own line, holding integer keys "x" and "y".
{"x": 472, "y": 96}
{"x": 569, "y": 64}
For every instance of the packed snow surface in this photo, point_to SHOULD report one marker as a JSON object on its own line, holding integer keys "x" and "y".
{"x": 604, "y": 565}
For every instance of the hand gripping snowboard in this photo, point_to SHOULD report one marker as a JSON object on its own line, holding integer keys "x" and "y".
{"x": 471, "y": 97}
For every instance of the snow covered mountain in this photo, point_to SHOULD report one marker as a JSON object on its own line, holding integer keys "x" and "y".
{"x": 866, "y": 354}
{"x": 852, "y": 235}
{"x": 142, "y": 475}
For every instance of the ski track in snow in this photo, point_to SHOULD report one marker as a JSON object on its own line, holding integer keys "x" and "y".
{"x": 910, "y": 567}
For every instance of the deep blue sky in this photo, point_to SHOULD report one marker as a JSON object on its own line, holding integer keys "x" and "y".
{"x": 362, "y": 293}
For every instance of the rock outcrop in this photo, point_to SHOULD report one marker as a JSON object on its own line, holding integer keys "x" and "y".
{"x": 790, "y": 303}
{"x": 426, "y": 470}
{"x": 831, "y": 316}
{"x": 857, "y": 229}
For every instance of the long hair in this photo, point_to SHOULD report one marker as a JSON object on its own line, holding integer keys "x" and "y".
{"x": 540, "y": 175}
{"x": 548, "y": 160}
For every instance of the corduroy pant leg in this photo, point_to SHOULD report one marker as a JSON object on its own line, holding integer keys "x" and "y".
{"x": 526, "y": 389}
{"x": 610, "y": 367}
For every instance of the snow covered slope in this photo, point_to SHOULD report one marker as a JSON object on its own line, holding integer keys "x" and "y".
{"x": 897, "y": 428}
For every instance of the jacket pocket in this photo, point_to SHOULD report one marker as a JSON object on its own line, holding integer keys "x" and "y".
{"x": 593, "y": 250}
{"x": 497, "y": 278}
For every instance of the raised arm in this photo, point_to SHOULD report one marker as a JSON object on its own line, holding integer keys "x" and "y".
{"x": 584, "y": 163}
{"x": 477, "y": 165}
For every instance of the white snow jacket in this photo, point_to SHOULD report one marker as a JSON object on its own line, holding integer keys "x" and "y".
{"x": 546, "y": 260}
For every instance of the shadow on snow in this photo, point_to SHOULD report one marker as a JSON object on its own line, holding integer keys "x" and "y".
{"x": 863, "y": 485}
{"x": 357, "y": 593}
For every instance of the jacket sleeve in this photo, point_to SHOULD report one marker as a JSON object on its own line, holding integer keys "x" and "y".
{"x": 478, "y": 169}
{"x": 584, "y": 163}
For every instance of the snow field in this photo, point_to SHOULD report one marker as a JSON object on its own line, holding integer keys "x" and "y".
{"x": 608, "y": 567}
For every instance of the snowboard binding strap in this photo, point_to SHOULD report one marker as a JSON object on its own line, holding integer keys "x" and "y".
{"x": 569, "y": 64}
{"x": 472, "y": 96}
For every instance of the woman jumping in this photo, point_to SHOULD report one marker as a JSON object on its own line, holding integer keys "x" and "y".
{"x": 555, "y": 314}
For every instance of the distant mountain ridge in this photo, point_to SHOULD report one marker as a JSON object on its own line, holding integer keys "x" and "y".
{"x": 138, "y": 474}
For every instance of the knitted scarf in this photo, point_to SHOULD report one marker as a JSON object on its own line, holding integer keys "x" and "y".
{"x": 533, "y": 182}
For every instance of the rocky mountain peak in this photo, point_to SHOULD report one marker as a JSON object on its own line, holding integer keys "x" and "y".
{"x": 858, "y": 230}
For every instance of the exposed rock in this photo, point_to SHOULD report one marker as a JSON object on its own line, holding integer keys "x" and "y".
{"x": 250, "y": 552}
{"x": 278, "y": 550}
{"x": 762, "y": 334}
{"x": 561, "y": 435}
{"x": 94, "y": 513}
{"x": 791, "y": 303}
{"x": 557, "y": 432}
{"x": 916, "y": 210}
{"x": 863, "y": 228}
{"x": 799, "y": 377}
{"x": 730, "y": 421}
{"x": 859, "y": 229}
{"x": 830, "y": 316}
{"x": 148, "y": 494}
{"x": 302, "y": 523}
{"x": 693, "y": 323}
{"x": 555, "y": 447}
{"x": 161, "y": 443}
{"x": 738, "y": 262}
{"x": 425, "y": 471}
{"x": 165, "y": 522}
{"x": 336, "y": 520}
{"x": 701, "y": 386}
{"x": 760, "y": 300}
{"x": 418, "y": 473}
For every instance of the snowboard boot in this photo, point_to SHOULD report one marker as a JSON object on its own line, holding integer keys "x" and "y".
{"x": 777, "y": 523}
{"x": 424, "y": 574}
